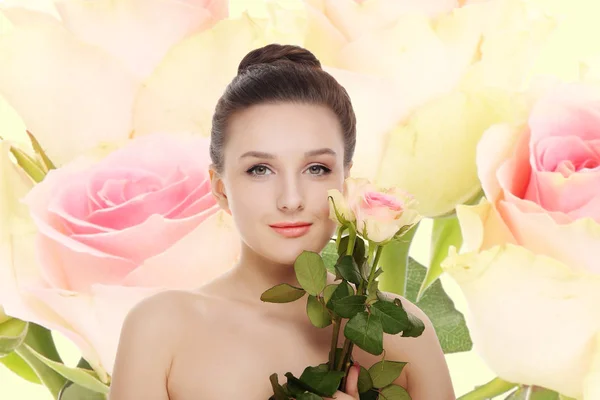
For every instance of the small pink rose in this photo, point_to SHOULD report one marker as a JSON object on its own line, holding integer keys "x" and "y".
{"x": 113, "y": 232}
{"x": 381, "y": 215}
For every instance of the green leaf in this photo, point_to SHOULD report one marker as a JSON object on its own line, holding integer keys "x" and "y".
{"x": 365, "y": 331}
{"x": 328, "y": 292}
{"x": 370, "y": 395}
{"x": 324, "y": 382}
{"x": 330, "y": 256}
{"x": 317, "y": 313}
{"x": 372, "y": 291}
{"x": 41, "y": 153}
{"x": 72, "y": 391}
{"x": 342, "y": 290}
{"x": 415, "y": 327}
{"x": 300, "y": 386}
{"x": 282, "y": 293}
{"x": 394, "y": 261}
{"x": 349, "y": 306}
{"x": 308, "y": 396}
{"x": 365, "y": 383}
{"x": 446, "y": 233}
{"x": 17, "y": 365}
{"x": 385, "y": 372}
{"x": 12, "y": 334}
{"x": 533, "y": 393}
{"x": 448, "y": 322}
{"x": 394, "y": 319}
{"x": 365, "y": 269}
{"x": 278, "y": 391}
{"x": 311, "y": 272}
{"x": 82, "y": 377}
{"x": 394, "y": 392}
{"x": 28, "y": 164}
{"x": 40, "y": 339}
{"x": 348, "y": 269}
{"x": 359, "y": 249}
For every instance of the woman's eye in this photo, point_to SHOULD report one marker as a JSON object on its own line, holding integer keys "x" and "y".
{"x": 318, "y": 170}
{"x": 259, "y": 170}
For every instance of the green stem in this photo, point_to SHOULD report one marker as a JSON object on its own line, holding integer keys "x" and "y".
{"x": 395, "y": 264}
{"x": 375, "y": 262}
{"x": 50, "y": 378}
{"x": 338, "y": 239}
{"x": 341, "y": 362}
{"x": 490, "y": 390}
{"x": 374, "y": 255}
{"x": 334, "y": 342}
{"x": 361, "y": 288}
{"x": 351, "y": 241}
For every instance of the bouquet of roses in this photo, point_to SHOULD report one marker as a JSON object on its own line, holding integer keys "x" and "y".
{"x": 368, "y": 220}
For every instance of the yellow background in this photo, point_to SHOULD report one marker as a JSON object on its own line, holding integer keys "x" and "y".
{"x": 467, "y": 369}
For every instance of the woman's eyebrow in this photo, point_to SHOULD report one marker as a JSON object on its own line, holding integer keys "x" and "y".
{"x": 319, "y": 152}
{"x": 311, "y": 153}
{"x": 257, "y": 154}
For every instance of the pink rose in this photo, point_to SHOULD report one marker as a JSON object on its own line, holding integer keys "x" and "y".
{"x": 381, "y": 215}
{"x": 529, "y": 265}
{"x": 377, "y": 215}
{"x": 106, "y": 235}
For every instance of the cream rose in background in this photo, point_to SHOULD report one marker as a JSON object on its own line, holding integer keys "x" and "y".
{"x": 529, "y": 264}
{"x": 439, "y": 75}
{"x": 85, "y": 61}
{"x": 96, "y": 237}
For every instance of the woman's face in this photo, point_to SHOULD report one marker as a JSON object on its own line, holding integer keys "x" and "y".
{"x": 280, "y": 161}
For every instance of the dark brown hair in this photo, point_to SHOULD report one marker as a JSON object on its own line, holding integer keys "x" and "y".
{"x": 280, "y": 74}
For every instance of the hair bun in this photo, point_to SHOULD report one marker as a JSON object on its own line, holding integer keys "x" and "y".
{"x": 277, "y": 53}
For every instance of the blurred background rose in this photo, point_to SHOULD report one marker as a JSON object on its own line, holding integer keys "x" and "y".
{"x": 96, "y": 237}
{"x": 529, "y": 262}
{"x": 95, "y": 57}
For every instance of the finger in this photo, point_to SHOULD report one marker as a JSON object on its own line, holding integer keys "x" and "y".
{"x": 352, "y": 381}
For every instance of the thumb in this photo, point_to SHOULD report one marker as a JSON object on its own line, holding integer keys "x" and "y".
{"x": 352, "y": 380}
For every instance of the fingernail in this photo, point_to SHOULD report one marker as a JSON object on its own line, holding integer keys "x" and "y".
{"x": 357, "y": 365}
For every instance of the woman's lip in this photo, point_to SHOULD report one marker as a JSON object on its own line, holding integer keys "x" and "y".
{"x": 292, "y": 231}
{"x": 289, "y": 224}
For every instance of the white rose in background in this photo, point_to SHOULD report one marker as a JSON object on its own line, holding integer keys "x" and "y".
{"x": 73, "y": 74}
{"x": 439, "y": 76}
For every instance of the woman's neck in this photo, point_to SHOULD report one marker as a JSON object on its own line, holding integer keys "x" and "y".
{"x": 257, "y": 274}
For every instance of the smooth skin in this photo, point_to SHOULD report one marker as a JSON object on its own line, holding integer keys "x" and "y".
{"x": 220, "y": 341}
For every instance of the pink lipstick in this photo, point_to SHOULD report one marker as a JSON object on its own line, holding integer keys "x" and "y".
{"x": 291, "y": 229}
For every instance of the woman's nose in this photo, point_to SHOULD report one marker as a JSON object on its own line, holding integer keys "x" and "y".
{"x": 291, "y": 197}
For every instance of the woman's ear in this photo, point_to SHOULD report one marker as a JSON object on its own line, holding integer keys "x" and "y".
{"x": 347, "y": 169}
{"x": 218, "y": 189}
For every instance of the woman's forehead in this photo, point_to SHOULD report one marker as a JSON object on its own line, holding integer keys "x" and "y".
{"x": 285, "y": 127}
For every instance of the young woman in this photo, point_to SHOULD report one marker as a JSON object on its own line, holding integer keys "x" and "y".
{"x": 283, "y": 134}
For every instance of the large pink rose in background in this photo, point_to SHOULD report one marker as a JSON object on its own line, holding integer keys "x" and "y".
{"x": 530, "y": 266}
{"x": 105, "y": 234}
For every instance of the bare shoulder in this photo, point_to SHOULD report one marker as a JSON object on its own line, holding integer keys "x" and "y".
{"x": 147, "y": 344}
{"x": 158, "y": 317}
{"x": 427, "y": 371}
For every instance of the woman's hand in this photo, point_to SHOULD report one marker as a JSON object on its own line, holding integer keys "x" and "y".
{"x": 351, "y": 389}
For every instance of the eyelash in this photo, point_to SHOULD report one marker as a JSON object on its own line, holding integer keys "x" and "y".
{"x": 252, "y": 170}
